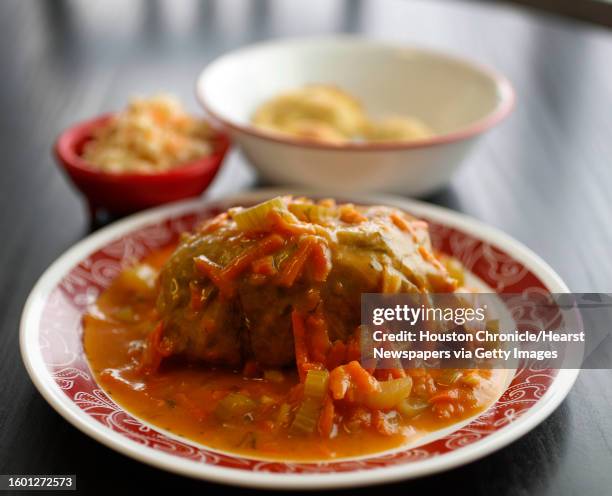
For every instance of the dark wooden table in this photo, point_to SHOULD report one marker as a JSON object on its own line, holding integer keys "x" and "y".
{"x": 544, "y": 176}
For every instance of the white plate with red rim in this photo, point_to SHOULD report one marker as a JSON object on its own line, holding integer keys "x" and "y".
{"x": 52, "y": 351}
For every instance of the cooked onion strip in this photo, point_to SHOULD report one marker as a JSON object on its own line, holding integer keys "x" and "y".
{"x": 391, "y": 393}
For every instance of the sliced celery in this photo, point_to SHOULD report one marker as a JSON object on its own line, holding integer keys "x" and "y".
{"x": 307, "y": 416}
{"x": 316, "y": 384}
{"x": 315, "y": 389}
{"x": 282, "y": 418}
{"x": 256, "y": 218}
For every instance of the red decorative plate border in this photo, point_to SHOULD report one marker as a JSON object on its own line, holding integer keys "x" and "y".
{"x": 57, "y": 332}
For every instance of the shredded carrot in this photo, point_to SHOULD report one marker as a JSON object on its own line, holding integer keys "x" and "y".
{"x": 213, "y": 224}
{"x": 264, "y": 266}
{"x": 350, "y": 215}
{"x": 361, "y": 378}
{"x": 326, "y": 419}
{"x": 293, "y": 266}
{"x": 207, "y": 267}
{"x": 401, "y": 223}
{"x": 318, "y": 341}
{"x": 336, "y": 355}
{"x": 266, "y": 246}
{"x": 406, "y": 226}
{"x": 196, "y": 297}
{"x": 154, "y": 351}
{"x": 281, "y": 225}
{"x": 211, "y": 270}
{"x": 353, "y": 348}
{"x": 299, "y": 339}
{"x": 429, "y": 257}
{"x": 321, "y": 261}
{"x": 426, "y": 254}
{"x": 223, "y": 278}
{"x": 339, "y": 382}
{"x": 299, "y": 214}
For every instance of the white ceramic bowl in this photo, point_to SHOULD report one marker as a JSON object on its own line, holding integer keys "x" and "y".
{"x": 458, "y": 99}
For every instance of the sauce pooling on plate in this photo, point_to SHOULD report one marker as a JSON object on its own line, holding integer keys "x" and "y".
{"x": 244, "y": 338}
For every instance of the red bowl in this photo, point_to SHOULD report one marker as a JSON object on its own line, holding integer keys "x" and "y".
{"x": 123, "y": 193}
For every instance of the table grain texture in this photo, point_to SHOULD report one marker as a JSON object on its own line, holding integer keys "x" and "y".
{"x": 544, "y": 176}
